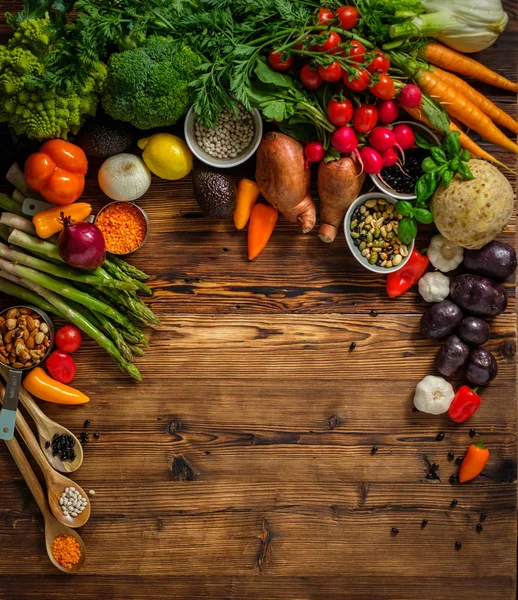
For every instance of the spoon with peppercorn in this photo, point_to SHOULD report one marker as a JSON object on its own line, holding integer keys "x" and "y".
{"x": 60, "y": 446}
{"x": 54, "y": 530}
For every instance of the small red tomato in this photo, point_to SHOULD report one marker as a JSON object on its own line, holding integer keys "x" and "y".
{"x": 68, "y": 339}
{"x": 385, "y": 88}
{"x": 365, "y": 118}
{"x": 380, "y": 63}
{"x": 332, "y": 72}
{"x": 330, "y": 45}
{"x": 61, "y": 366}
{"x": 348, "y": 16}
{"x": 359, "y": 82}
{"x": 357, "y": 52}
{"x": 340, "y": 112}
{"x": 276, "y": 62}
{"x": 325, "y": 15}
{"x": 310, "y": 79}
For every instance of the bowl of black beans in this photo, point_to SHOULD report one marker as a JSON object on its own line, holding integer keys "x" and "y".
{"x": 399, "y": 181}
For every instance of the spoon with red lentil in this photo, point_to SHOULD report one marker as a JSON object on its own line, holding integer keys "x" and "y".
{"x": 65, "y": 547}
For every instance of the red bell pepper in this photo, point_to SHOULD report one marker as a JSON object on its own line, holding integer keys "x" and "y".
{"x": 464, "y": 405}
{"x": 400, "y": 281}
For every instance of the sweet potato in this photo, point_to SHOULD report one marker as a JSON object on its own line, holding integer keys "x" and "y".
{"x": 283, "y": 178}
{"x": 339, "y": 183}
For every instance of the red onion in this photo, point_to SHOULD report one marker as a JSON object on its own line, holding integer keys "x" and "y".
{"x": 81, "y": 245}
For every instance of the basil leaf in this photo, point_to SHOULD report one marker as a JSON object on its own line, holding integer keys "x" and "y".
{"x": 405, "y": 208}
{"x": 465, "y": 172}
{"x": 446, "y": 178}
{"x": 429, "y": 165}
{"x": 426, "y": 186}
{"x": 454, "y": 164}
{"x": 407, "y": 230}
{"x": 438, "y": 155}
{"x": 422, "y": 142}
{"x": 465, "y": 155}
{"x": 452, "y": 143}
{"x": 423, "y": 216}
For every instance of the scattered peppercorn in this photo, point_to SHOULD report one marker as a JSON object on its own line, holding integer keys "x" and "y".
{"x": 374, "y": 449}
{"x": 451, "y": 456}
{"x": 394, "y": 530}
{"x": 352, "y": 346}
{"x": 97, "y": 436}
{"x": 453, "y": 503}
{"x": 86, "y": 423}
{"x": 435, "y": 466}
{"x": 63, "y": 446}
{"x": 47, "y": 444}
{"x": 458, "y": 460}
{"x": 479, "y": 527}
{"x": 430, "y": 476}
{"x": 483, "y": 517}
{"x": 424, "y": 523}
{"x": 440, "y": 436}
{"x": 472, "y": 432}
{"x": 458, "y": 545}
{"x": 374, "y": 313}
{"x": 454, "y": 479}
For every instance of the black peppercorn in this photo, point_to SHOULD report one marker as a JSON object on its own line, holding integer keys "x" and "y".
{"x": 435, "y": 466}
{"x": 374, "y": 313}
{"x": 394, "y": 530}
{"x": 458, "y": 460}
{"x": 86, "y": 423}
{"x": 451, "y": 456}
{"x": 374, "y": 449}
{"x": 454, "y": 479}
{"x": 47, "y": 444}
{"x": 472, "y": 432}
{"x": 352, "y": 346}
{"x": 479, "y": 527}
{"x": 453, "y": 503}
{"x": 424, "y": 523}
{"x": 97, "y": 436}
{"x": 483, "y": 517}
{"x": 440, "y": 436}
{"x": 430, "y": 476}
{"x": 458, "y": 545}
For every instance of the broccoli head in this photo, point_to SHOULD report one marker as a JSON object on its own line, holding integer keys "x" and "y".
{"x": 149, "y": 86}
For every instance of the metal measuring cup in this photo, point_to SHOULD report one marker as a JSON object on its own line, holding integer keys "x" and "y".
{"x": 14, "y": 380}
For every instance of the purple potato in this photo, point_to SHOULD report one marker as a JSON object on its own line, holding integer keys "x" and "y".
{"x": 452, "y": 356}
{"x": 478, "y": 295}
{"x": 441, "y": 320}
{"x": 482, "y": 367}
{"x": 495, "y": 260}
{"x": 474, "y": 331}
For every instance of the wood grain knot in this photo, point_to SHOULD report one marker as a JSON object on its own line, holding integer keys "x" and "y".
{"x": 334, "y": 421}
{"x": 183, "y": 470}
{"x": 265, "y": 539}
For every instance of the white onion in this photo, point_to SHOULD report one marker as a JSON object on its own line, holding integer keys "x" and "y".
{"x": 124, "y": 177}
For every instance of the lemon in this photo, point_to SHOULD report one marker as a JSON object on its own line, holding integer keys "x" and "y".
{"x": 166, "y": 155}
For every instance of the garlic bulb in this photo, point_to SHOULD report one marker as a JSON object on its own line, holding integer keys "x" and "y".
{"x": 124, "y": 177}
{"x": 434, "y": 286}
{"x": 433, "y": 395}
{"x": 443, "y": 254}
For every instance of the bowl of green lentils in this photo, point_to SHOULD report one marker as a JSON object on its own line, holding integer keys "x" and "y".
{"x": 371, "y": 230}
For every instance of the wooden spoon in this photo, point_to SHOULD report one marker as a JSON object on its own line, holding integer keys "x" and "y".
{"x": 56, "y": 483}
{"x": 46, "y": 429}
{"x": 53, "y": 527}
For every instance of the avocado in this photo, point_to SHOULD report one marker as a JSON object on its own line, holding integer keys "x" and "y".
{"x": 214, "y": 192}
{"x": 103, "y": 137}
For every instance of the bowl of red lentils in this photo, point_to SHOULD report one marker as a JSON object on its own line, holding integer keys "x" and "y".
{"x": 125, "y": 227}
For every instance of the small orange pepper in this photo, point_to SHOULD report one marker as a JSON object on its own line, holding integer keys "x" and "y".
{"x": 41, "y": 385}
{"x": 48, "y": 222}
{"x": 57, "y": 172}
{"x": 474, "y": 462}
{"x": 247, "y": 194}
{"x": 260, "y": 228}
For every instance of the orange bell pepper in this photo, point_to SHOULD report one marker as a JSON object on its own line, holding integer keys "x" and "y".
{"x": 41, "y": 385}
{"x": 474, "y": 462}
{"x": 48, "y": 222}
{"x": 57, "y": 172}
{"x": 247, "y": 194}
{"x": 262, "y": 223}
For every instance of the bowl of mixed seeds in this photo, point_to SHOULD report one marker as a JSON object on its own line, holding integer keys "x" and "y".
{"x": 371, "y": 230}
{"x": 232, "y": 142}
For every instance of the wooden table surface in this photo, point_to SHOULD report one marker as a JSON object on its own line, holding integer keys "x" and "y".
{"x": 242, "y": 466}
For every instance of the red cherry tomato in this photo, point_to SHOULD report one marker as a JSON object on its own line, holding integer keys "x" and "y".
{"x": 61, "y": 366}
{"x": 340, "y": 112}
{"x": 385, "y": 88}
{"x": 359, "y": 82}
{"x": 380, "y": 63}
{"x": 276, "y": 62}
{"x": 365, "y": 118}
{"x": 330, "y": 45}
{"x": 332, "y": 72}
{"x": 325, "y": 15}
{"x": 68, "y": 339}
{"x": 357, "y": 52}
{"x": 310, "y": 79}
{"x": 348, "y": 16}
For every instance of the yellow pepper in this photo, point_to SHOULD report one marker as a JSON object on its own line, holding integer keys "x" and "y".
{"x": 41, "y": 385}
{"x": 47, "y": 222}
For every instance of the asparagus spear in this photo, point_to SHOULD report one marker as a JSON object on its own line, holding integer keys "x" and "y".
{"x": 129, "y": 269}
{"x": 118, "y": 273}
{"x": 4, "y": 232}
{"x": 10, "y": 205}
{"x": 17, "y": 222}
{"x": 17, "y": 291}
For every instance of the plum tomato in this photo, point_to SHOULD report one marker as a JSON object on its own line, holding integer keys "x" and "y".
{"x": 332, "y": 72}
{"x": 310, "y": 79}
{"x": 380, "y": 63}
{"x": 68, "y": 339}
{"x": 348, "y": 16}
{"x": 277, "y": 63}
{"x": 365, "y": 118}
{"x": 339, "y": 112}
{"x": 61, "y": 366}
{"x": 359, "y": 82}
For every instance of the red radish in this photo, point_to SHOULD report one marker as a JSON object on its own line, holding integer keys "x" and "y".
{"x": 344, "y": 140}
{"x": 314, "y": 152}
{"x": 404, "y": 135}
{"x": 382, "y": 138}
{"x": 371, "y": 159}
{"x": 410, "y": 96}
{"x": 390, "y": 157}
{"x": 388, "y": 111}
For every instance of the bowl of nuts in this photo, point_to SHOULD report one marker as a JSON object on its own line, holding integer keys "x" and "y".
{"x": 371, "y": 229}
{"x": 26, "y": 339}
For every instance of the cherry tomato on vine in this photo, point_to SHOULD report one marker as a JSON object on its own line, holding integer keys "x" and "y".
{"x": 332, "y": 72}
{"x": 330, "y": 45}
{"x": 310, "y": 79}
{"x": 276, "y": 62}
{"x": 380, "y": 63}
{"x": 348, "y": 16}
{"x": 359, "y": 82}
{"x": 68, "y": 339}
{"x": 339, "y": 112}
{"x": 385, "y": 88}
{"x": 325, "y": 15}
{"x": 365, "y": 118}
{"x": 357, "y": 52}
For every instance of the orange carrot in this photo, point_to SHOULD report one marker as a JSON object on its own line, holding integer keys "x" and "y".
{"x": 465, "y": 140}
{"x": 261, "y": 226}
{"x": 247, "y": 194}
{"x": 449, "y": 59}
{"x": 485, "y": 105}
{"x": 459, "y": 107}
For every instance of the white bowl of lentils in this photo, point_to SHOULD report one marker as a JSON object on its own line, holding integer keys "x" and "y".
{"x": 371, "y": 225}
{"x": 231, "y": 143}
